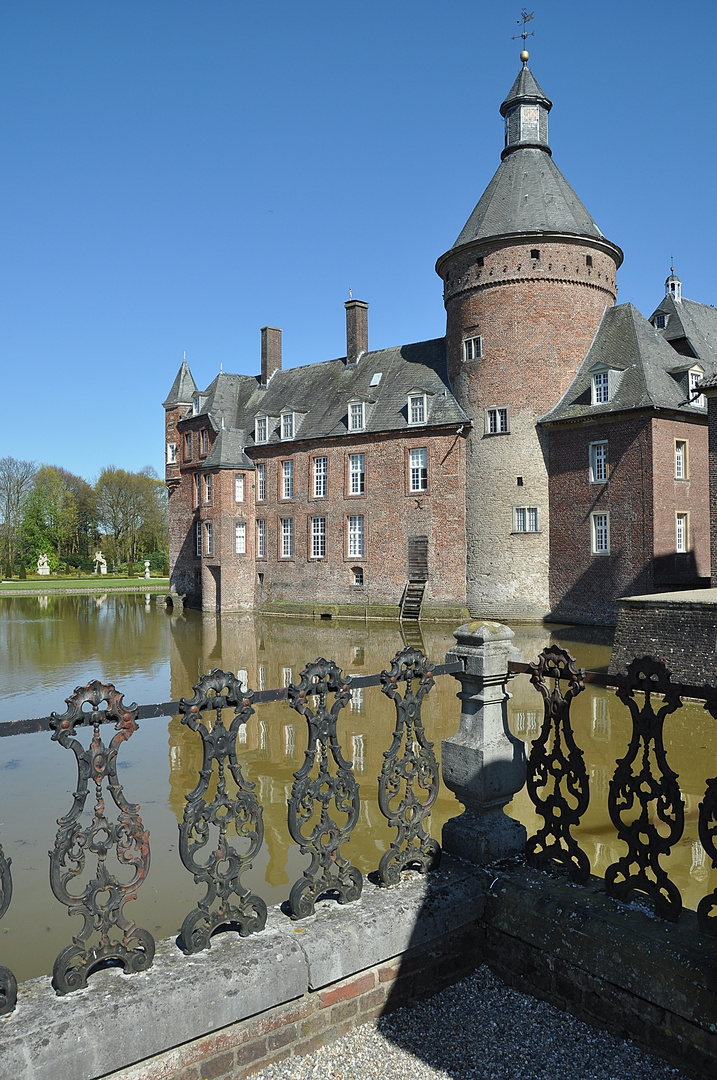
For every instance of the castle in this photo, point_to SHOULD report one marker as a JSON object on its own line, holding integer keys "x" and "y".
{"x": 545, "y": 457}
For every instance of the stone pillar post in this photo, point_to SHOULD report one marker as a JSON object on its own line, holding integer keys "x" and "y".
{"x": 484, "y": 764}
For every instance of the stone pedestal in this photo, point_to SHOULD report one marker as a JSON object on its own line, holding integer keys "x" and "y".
{"x": 484, "y": 764}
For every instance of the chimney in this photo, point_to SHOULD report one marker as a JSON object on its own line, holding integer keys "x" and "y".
{"x": 270, "y": 352}
{"x": 356, "y": 330}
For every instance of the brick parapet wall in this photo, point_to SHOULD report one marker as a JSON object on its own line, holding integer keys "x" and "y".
{"x": 679, "y": 632}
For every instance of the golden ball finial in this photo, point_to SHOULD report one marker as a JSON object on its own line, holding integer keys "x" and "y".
{"x": 524, "y": 56}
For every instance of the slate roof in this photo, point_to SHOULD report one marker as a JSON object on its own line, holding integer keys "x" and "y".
{"x": 320, "y": 393}
{"x": 642, "y": 360}
{"x": 528, "y": 194}
{"x": 228, "y": 452}
{"x": 183, "y": 388}
{"x": 695, "y": 322}
{"x": 525, "y": 88}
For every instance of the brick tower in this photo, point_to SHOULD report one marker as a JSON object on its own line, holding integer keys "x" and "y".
{"x": 525, "y": 285}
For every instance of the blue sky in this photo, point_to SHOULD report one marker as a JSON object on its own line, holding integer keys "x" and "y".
{"x": 178, "y": 173}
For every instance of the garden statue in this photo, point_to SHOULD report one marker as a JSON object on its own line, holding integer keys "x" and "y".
{"x": 146, "y": 568}
{"x": 100, "y": 563}
{"x": 43, "y": 566}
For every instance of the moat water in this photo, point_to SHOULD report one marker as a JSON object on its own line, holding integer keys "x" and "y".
{"x": 49, "y": 645}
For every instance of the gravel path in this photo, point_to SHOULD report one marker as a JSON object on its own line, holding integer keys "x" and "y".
{"x": 478, "y": 1029}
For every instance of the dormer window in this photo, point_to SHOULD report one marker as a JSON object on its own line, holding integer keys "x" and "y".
{"x": 260, "y": 429}
{"x": 472, "y": 348}
{"x": 416, "y": 408}
{"x": 600, "y": 387}
{"x": 660, "y": 322}
{"x": 357, "y": 419}
{"x": 287, "y": 425}
{"x": 196, "y": 405}
{"x": 696, "y": 376}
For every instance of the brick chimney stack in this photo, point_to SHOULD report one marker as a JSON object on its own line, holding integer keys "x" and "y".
{"x": 356, "y": 330}
{"x": 270, "y": 352}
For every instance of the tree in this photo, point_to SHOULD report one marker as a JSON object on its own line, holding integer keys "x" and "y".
{"x": 50, "y": 514}
{"x": 16, "y": 479}
{"x": 131, "y": 509}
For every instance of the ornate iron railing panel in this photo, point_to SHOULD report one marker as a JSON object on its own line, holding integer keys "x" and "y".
{"x": 101, "y": 902}
{"x": 311, "y": 825}
{"x": 644, "y": 799}
{"x": 557, "y": 779}
{"x": 8, "y": 983}
{"x": 409, "y": 767}
{"x": 224, "y": 865}
{"x": 707, "y": 829}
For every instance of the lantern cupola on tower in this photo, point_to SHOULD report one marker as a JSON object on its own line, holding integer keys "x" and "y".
{"x": 673, "y": 286}
{"x": 525, "y": 111}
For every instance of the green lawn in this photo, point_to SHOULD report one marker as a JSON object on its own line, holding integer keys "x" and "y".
{"x": 87, "y": 581}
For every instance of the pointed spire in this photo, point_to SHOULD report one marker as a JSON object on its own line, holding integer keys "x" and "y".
{"x": 525, "y": 110}
{"x": 183, "y": 388}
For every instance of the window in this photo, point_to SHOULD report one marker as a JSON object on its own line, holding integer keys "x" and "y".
{"x": 472, "y": 348}
{"x": 240, "y": 538}
{"x": 357, "y": 474}
{"x": 598, "y": 462}
{"x": 535, "y": 253}
{"x": 588, "y": 260}
{"x": 319, "y": 477}
{"x": 417, "y": 409}
{"x": 287, "y": 425}
{"x": 496, "y": 421}
{"x": 287, "y": 538}
{"x": 205, "y": 441}
{"x": 529, "y": 122}
{"x": 318, "y": 538}
{"x": 239, "y": 487}
{"x": 261, "y": 539}
{"x": 208, "y": 536}
{"x": 525, "y": 519}
{"x": 260, "y": 483}
{"x": 356, "y": 546}
{"x": 260, "y": 429}
{"x": 208, "y": 488}
{"x": 171, "y": 453}
{"x": 188, "y": 447}
{"x": 480, "y": 261}
{"x": 287, "y": 479}
{"x": 357, "y": 575}
{"x": 197, "y": 492}
{"x": 356, "y": 415}
{"x": 199, "y": 536}
{"x": 681, "y": 459}
{"x": 696, "y": 375}
{"x": 601, "y": 387}
{"x": 681, "y": 532}
{"x": 600, "y": 526}
{"x": 196, "y": 405}
{"x": 660, "y": 322}
{"x": 418, "y": 463}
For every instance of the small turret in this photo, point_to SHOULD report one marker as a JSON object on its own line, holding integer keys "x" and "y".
{"x": 525, "y": 110}
{"x": 673, "y": 286}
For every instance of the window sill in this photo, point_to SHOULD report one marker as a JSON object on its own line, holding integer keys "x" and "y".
{"x": 527, "y": 532}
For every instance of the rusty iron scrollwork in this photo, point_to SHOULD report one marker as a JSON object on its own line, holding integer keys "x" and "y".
{"x": 237, "y": 907}
{"x": 409, "y": 769}
{"x": 644, "y": 801}
{"x": 707, "y": 828}
{"x": 557, "y": 779}
{"x": 315, "y": 788}
{"x": 8, "y": 983}
{"x": 101, "y": 902}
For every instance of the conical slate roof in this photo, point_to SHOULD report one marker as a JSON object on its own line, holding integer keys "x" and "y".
{"x": 183, "y": 388}
{"x": 525, "y": 88}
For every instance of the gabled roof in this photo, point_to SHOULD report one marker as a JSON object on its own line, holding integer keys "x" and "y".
{"x": 626, "y": 342}
{"x": 183, "y": 388}
{"x": 228, "y": 452}
{"x": 692, "y": 321}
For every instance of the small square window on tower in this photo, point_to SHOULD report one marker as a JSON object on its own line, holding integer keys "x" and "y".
{"x": 473, "y": 348}
{"x": 588, "y": 260}
{"x": 535, "y": 253}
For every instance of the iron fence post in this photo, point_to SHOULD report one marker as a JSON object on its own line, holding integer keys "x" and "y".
{"x": 483, "y": 764}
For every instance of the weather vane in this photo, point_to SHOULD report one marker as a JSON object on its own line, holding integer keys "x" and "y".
{"x": 526, "y": 17}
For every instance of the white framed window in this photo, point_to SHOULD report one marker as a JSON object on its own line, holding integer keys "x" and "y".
{"x": 417, "y": 408}
{"x": 240, "y": 538}
{"x": 208, "y": 488}
{"x": 204, "y": 439}
{"x": 320, "y": 466}
{"x": 318, "y": 537}
{"x": 696, "y": 376}
{"x": 208, "y": 538}
{"x": 188, "y": 447}
{"x": 239, "y": 487}
{"x": 356, "y": 536}
{"x": 357, "y": 474}
{"x": 171, "y": 453}
{"x": 197, "y": 490}
{"x": 525, "y": 519}
{"x": 196, "y": 405}
{"x": 598, "y": 462}
{"x": 356, "y": 416}
{"x": 681, "y": 462}
{"x": 261, "y": 539}
{"x": 473, "y": 348}
{"x": 600, "y": 533}
{"x": 261, "y": 483}
{"x": 261, "y": 428}
{"x": 287, "y": 425}
{"x": 287, "y": 479}
{"x": 287, "y": 538}
{"x": 496, "y": 422}
{"x": 681, "y": 531}
{"x": 600, "y": 387}
{"x": 418, "y": 468}
{"x": 357, "y": 575}
{"x": 199, "y": 538}
{"x": 660, "y": 322}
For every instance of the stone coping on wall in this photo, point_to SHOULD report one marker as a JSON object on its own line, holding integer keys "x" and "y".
{"x": 679, "y": 628}
{"x": 429, "y": 612}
